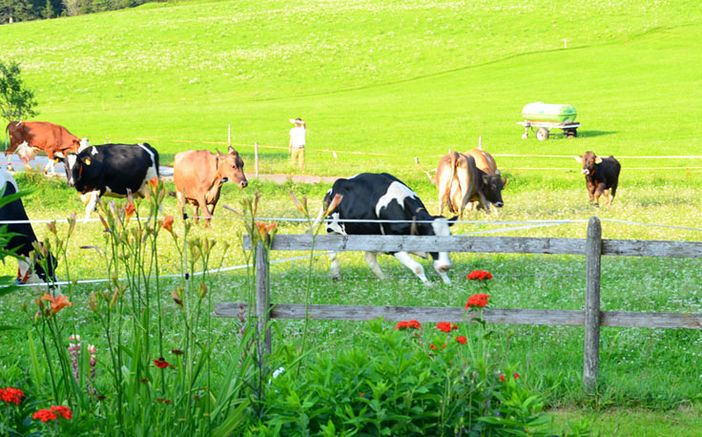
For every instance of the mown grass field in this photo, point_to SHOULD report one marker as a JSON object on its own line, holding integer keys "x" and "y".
{"x": 380, "y": 84}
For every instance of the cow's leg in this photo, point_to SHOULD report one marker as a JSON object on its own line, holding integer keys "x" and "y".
{"x": 334, "y": 266}
{"x": 612, "y": 193}
{"x": 92, "y": 203}
{"x": 202, "y": 203}
{"x": 413, "y": 265}
{"x": 372, "y": 261}
{"x": 181, "y": 203}
{"x": 8, "y": 160}
{"x": 598, "y": 193}
{"x": 49, "y": 164}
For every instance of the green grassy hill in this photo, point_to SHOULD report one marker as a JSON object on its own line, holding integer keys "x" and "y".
{"x": 378, "y": 82}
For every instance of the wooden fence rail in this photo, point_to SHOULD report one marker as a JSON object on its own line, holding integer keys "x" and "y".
{"x": 591, "y": 317}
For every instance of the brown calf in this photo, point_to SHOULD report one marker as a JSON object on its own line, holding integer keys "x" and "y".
{"x": 601, "y": 176}
{"x": 199, "y": 175}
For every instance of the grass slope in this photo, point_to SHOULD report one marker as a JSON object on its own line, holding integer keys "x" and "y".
{"x": 391, "y": 78}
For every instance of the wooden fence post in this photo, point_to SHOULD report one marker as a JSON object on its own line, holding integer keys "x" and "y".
{"x": 256, "y": 158}
{"x": 593, "y": 254}
{"x": 263, "y": 301}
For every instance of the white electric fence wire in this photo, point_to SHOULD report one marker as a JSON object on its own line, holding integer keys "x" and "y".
{"x": 171, "y": 276}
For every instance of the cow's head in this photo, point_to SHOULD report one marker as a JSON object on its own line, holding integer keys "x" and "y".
{"x": 231, "y": 167}
{"x": 589, "y": 160}
{"x": 81, "y": 167}
{"x": 492, "y": 188}
{"x": 439, "y": 226}
{"x": 69, "y": 162}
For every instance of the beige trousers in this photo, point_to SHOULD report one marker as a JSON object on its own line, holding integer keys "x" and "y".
{"x": 297, "y": 157}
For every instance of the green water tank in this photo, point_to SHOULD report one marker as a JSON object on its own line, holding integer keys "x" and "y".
{"x": 540, "y": 111}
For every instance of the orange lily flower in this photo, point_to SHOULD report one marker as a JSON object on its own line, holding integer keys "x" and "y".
{"x": 57, "y": 303}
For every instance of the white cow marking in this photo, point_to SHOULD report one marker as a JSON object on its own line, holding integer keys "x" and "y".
{"x": 396, "y": 191}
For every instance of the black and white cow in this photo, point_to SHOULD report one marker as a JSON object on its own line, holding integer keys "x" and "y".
{"x": 21, "y": 242}
{"x": 112, "y": 170}
{"x": 370, "y": 196}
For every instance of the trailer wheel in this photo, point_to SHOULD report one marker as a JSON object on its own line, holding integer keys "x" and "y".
{"x": 571, "y": 132}
{"x": 542, "y": 134}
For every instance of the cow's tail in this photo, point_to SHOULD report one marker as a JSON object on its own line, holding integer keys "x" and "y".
{"x": 156, "y": 159}
{"x": 465, "y": 181}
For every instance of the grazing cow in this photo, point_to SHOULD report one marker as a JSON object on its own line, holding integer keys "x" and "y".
{"x": 21, "y": 243}
{"x": 601, "y": 176}
{"x": 369, "y": 196}
{"x": 494, "y": 183}
{"x": 459, "y": 181}
{"x": 199, "y": 175}
{"x": 52, "y": 139}
{"x": 112, "y": 170}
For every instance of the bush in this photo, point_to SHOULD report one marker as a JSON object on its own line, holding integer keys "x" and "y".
{"x": 401, "y": 383}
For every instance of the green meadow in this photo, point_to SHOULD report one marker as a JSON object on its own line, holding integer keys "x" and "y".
{"x": 383, "y": 83}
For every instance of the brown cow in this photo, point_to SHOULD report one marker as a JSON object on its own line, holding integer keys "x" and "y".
{"x": 494, "y": 182}
{"x": 459, "y": 181}
{"x": 52, "y": 139}
{"x": 199, "y": 175}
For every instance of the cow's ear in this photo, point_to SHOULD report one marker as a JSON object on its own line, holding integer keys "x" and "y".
{"x": 579, "y": 159}
{"x": 504, "y": 182}
{"x": 598, "y": 160}
{"x": 231, "y": 150}
{"x": 486, "y": 179}
{"x": 86, "y": 160}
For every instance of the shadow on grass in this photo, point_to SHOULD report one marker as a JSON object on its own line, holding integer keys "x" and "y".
{"x": 595, "y": 133}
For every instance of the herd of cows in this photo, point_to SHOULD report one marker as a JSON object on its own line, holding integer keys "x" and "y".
{"x": 370, "y": 204}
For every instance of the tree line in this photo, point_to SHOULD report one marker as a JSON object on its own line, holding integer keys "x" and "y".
{"x": 25, "y": 10}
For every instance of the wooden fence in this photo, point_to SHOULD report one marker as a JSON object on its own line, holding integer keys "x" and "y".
{"x": 591, "y": 317}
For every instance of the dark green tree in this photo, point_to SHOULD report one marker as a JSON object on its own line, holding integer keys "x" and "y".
{"x": 48, "y": 11}
{"x": 16, "y": 10}
{"x": 17, "y": 102}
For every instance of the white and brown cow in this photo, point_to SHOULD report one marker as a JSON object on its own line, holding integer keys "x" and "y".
{"x": 199, "y": 175}
{"x": 370, "y": 196}
{"x": 601, "y": 176}
{"x": 27, "y": 136}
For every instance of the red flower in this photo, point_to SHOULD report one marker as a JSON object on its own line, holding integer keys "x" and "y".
{"x": 168, "y": 223}
{"x": 462, "y": 339}
{"x": 44, "y": 415}
{"x": 479, "y": 275}
{"x": 434, "y": 347}
{"x": 408, "y": 324}
{"x": 53, "y": 413}
{"x": 479, "y": 300}
{"x": 446, "y": 326}
{"x": 502, "y": 378}
{"x": 517, "y": 376}
{"x": 57, "y": 303}
{"x": 161, "y": 363}
{"x": 11, "y": 395}
{"x": 129, "y": 210}
{"x": 65, "y": 412}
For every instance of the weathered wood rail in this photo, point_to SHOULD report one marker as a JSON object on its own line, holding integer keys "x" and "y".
{"x": 591, "y": 317}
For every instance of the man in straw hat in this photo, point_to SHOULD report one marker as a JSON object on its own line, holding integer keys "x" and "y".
{"x": 296, "y": 146}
